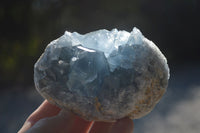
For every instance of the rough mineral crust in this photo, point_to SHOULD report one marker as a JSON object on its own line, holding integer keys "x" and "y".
{"x": 102, "y": 75}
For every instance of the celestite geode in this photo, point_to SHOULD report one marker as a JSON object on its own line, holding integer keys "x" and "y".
{"x": 102, "y": 75}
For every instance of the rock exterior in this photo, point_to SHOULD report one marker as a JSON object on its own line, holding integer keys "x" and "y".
{"x": 102, "y": 75}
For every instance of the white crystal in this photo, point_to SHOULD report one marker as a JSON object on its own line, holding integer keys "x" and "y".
{"x": 107, "y": 42}
{"x": 104, "y": 40}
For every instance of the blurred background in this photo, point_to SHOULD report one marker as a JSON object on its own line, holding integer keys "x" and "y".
{"x": 27, "y": 26}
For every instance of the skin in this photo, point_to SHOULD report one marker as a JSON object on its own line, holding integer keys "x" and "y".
{"x": 48, "y": 118}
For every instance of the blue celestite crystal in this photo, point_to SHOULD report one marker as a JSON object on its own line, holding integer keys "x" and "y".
{"x": 102, "y": 75}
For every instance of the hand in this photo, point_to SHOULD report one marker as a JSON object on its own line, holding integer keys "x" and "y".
{"x": 50, "y": 119}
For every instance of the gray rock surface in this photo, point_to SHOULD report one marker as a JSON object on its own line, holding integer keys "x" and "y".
{"x": 102, "y": 75}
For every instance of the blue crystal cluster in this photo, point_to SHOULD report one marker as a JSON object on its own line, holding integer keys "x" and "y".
{"x": 102, "y": 75}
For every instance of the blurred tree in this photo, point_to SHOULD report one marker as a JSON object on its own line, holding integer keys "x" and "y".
{"x": 27, "y": 26}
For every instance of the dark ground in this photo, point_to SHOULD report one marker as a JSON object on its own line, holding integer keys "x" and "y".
{"x": 177, "y": 112}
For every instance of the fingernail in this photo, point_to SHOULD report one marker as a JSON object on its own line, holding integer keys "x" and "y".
{"x": 25, "y": 127}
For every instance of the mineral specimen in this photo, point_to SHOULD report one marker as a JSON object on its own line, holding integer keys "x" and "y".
{"x": 102, "y": 75}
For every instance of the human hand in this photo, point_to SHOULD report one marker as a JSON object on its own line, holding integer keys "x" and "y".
{"x": 50, "y": 119}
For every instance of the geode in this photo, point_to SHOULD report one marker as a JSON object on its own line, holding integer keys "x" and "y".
{"x": 103, "y": 75}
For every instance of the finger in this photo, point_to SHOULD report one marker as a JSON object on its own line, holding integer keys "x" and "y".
{"x": 65, "y": 122}
{"x": 44, "y": 110}
{"x": 124, "y": 125}
{"x": 101, "y": 127}
{"x": 80, "y": 125}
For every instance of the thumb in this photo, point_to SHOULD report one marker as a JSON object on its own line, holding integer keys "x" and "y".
{"x": 64, "y": 122}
